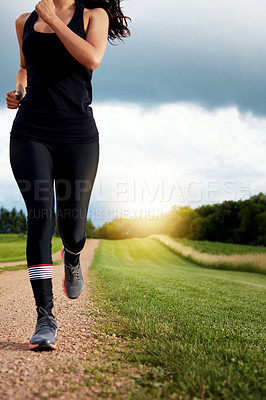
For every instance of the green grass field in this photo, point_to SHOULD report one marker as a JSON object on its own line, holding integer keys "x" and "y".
{"x": 13, "y": 247}
{"x": 201, "y": 330}
{"x": 206, "y": 246}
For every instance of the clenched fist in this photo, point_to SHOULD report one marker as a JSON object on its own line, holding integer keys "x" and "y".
{"x": 46, "y": 10}
{"x": 13, "y": 98}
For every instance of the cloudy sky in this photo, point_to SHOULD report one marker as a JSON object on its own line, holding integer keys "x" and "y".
{"x": 180, "y": 107}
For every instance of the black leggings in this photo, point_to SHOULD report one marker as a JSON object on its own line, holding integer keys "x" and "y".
{"x": 36, "y": 166}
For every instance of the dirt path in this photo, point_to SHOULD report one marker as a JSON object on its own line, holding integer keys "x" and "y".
{"x": 68, "y": 372}
{"x": 21, "y": 369}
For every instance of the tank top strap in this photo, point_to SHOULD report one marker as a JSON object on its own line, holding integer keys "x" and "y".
{"x": 77, "y": 22}
{"x": 30, "y": 21}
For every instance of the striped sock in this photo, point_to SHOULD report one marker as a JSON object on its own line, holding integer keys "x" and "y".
{"x": 40, "y": 271}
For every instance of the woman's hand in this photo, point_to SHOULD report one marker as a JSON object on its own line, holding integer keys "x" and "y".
{"x": 13, "y": 98}
{"x": 46, "y": 10}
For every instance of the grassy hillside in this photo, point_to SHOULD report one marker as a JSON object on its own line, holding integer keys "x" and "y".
{"x": 218, "y": 255}
{"x": 202, "y": 330}
{"x": 206, "y": 246}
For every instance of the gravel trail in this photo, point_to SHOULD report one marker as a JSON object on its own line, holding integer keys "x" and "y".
{"x": 28, "y": 375}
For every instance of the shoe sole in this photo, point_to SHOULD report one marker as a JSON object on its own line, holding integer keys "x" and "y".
{"x": 42, "y": 347}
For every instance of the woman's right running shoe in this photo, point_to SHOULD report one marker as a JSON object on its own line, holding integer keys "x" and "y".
{"x": 73, "y": 279}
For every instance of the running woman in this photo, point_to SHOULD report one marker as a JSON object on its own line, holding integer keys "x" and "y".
{"x": 54, "y": 138}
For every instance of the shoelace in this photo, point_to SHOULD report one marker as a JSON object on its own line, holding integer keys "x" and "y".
{"x": 45, "y": 320}
{"x": 73, "y": 272}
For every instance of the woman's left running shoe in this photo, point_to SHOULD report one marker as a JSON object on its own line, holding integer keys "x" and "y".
{"x": 45, "y": 333}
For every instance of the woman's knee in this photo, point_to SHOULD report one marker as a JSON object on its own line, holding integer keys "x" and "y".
{"x": 72, "y": 235}
{"x": 72, "y": 244}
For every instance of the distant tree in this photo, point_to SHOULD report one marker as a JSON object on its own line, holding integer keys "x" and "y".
{"x": 259, "y": 199}
{"x": 13, "y": 221}
{"x": 227, "y": 221}
{"x": 197, "y": 229}
{"x": 4, "y": 220}
{"x": 181, "y": 220}
{"x": 261, "y": 223}
{"x": 90, "y": 229}
{"x": 119, "y": 228}
{"x": 21, "y": 222}
{"x": 248, "y": 229}
{"x": 206, "y": 210}
{"x": 116, "y": 229}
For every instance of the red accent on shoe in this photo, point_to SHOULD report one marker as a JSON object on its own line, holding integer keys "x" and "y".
{"x": 62, "y": 254}
{"x": 34, "y": 346}
{"x": 63, "y": 282}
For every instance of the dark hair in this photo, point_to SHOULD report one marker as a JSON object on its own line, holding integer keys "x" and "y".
{"x": 118, "y": 25}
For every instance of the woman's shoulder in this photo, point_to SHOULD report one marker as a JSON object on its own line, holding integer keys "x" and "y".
{"x": 90, "y": 13}
{"x": 21, "y": 19}
{"x": 95, "y": 11}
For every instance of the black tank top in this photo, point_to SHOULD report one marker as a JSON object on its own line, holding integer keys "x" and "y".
{"x": 59, "y": 93}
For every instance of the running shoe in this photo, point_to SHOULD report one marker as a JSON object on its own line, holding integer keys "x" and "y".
{"x": 45, "y": 333}
{"x": 73, "y": 279}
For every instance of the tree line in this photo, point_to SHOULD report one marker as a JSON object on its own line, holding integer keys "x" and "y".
{"x": 16, "y": 222}
{"x": 242, "y": 221}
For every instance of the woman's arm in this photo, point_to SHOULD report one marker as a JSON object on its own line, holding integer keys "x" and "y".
{"x": 87, "y": 52}
{"x": 21, "y": 78}
{"x": 12, "y": 98}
